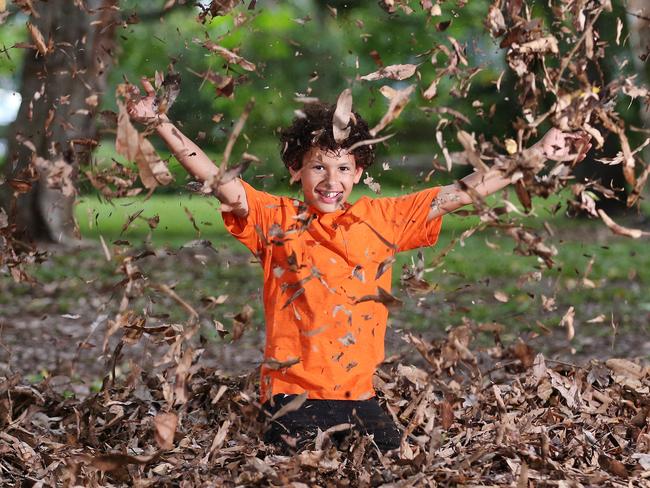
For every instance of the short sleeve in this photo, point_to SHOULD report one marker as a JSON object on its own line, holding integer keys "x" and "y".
{"x": 250, "y": 229}
{"x": 408, "y": 217}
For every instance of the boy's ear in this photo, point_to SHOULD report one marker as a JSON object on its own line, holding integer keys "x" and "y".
{"x": 358, "y": 171}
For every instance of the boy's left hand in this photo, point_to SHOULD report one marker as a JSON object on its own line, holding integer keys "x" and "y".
{"x": 563, "y": 146}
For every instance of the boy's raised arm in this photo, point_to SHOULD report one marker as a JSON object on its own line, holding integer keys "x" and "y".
{"x": 555, "y": 145}
{"x": 193, "y": 159}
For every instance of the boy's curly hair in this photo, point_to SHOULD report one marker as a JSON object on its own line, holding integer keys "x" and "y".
{"x": 315, "y": 129}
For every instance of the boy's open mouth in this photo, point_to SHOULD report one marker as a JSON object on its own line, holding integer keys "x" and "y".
{"x": 329, "y": 196}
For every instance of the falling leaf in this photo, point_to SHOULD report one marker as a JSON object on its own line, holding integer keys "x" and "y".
{"x": 169, "y": 90}
{"x": 541, "y": 45}
{"x": 292, "y": 406}
{"x": 341, "y": 117}
{"x": 347, "y": 339}
{"x": 38, "y": 39}
{"x": 501, "y": 296}
{"x": 153, "y": 170}
{"x": 372, "y": 184}
{"x": 229, "y": 56}
{"x": 274, "y": 364}
{"x": 567, "y": 321}
{"x": 511, "y": 146}
{"x": 135, "y": 147}
{"x": 220, "y": 328}
{"x": 398, "y": 100}
{"x": 165, "y": 429}
{"x": 619, "y": 229}
{"x": 384, "y": 266}
{"x": 392, "y": 72}
{"x": 468, "y": 141}
{"x": 382, "y": 297}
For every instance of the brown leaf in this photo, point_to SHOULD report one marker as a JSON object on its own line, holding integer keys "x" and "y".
{"x": 446, "y": 415}
{"x": 292, "y": 406}
{"x": 613, "y": 466}
{"x": 567, "y": 321}
{"x": 135, "y": 147}
{"x": 153, "y": 170}
{"x": 182, "y": 376}
{"x": 398, "y": 100}
{"x": 223, "y": 85}
{"x": 38, "y": 39}
{"x": 219, "y": 438}
{"x": 274, "y": 364}
{"x": 384, "y": 266}
{"x": 541, "y": 45}
{"x": 112, "y": 462}
{"x": 619, "y": 229}
{"x": 523, "y": 195}
{"x": 382, "y": 297}
{"x": 165, "y": 428}
{"x": 127, "y": 142}
{"x": 342, "y": 114}
{"x": 468, "y": 141}
{"x": 392, "y": 72}
{"x": 229, "y": 56}
{"x": 495, "y": 22}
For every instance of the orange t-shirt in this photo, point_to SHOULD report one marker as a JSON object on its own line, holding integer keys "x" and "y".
{"x": 320, "y": 274}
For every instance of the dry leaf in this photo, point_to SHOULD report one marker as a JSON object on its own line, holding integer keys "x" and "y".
{"x": 292, "y": 406}
{"x": 341, "y": 117}
{"x": 392, "y": 72}
{"x": 398, "y": 100}
{"x": 567, "y": 321}
{"x": 165, "y": 428}
{"x": 619, "y": 229}
{"x": 501, "y": 296}
{"x": 229, "y": 56}
{"x": 38, "y": 39}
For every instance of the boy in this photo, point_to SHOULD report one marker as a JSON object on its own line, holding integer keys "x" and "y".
{"x": 327, "y": 263}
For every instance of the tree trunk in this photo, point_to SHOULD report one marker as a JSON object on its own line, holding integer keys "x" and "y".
{"x": 640, "y": 40}
{"x": 56, "y": 122}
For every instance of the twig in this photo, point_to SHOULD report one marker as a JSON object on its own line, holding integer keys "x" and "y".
{"x": 171, "y": 293}
{"x": 235, "y": 132}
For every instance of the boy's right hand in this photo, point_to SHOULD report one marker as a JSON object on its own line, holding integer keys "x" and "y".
{"x": 143, "y": 109}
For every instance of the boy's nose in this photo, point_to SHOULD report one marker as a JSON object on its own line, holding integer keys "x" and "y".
{"x": 330, "y": 178}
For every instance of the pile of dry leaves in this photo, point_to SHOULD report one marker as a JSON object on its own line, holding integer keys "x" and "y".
{"x": 502, "y": 416}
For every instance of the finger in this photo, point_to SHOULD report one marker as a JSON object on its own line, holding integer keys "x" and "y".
{"x": 148, "y": 87}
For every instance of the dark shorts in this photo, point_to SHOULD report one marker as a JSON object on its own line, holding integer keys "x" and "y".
{"x": 302, "y": 425}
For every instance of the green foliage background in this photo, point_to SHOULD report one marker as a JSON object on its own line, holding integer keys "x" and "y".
{"x": 300, "y": 48}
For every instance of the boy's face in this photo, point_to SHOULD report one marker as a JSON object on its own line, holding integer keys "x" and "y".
{"x": 327, "y": 178}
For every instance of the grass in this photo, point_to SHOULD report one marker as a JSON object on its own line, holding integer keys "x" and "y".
{"x": 466, "y": 279}
{"x": 97, "y": 217}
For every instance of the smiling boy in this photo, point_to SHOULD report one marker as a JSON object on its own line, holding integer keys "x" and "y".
{"x": 326, "y": 264}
